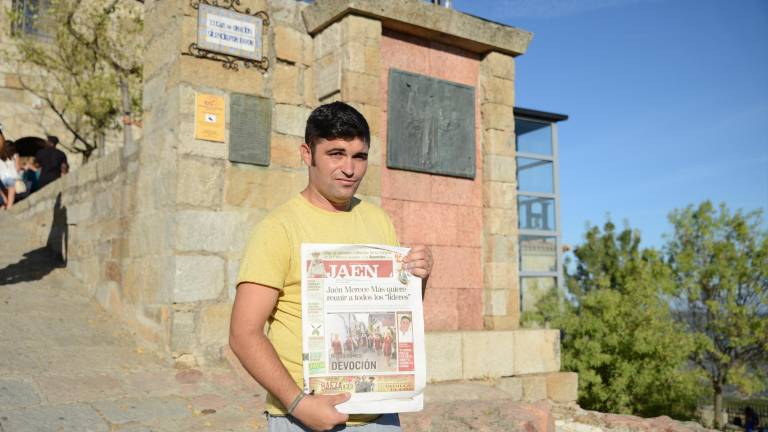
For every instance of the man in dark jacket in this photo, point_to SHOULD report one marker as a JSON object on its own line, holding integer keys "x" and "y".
{"x": 53, "y": 162}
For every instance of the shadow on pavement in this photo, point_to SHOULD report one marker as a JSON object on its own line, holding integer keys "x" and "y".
{"x": 39, "y": 262}
{"x": 34, "y": 266}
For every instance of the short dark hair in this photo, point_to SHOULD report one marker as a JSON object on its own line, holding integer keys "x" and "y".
{"x": 405, "y": 317}
{"x": 336, "y": 120}
{"x": 53, "y": 139}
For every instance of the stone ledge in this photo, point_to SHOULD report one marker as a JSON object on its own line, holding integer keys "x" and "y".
{"x": 484, "y": 354}
{"x": 424, "y": 20}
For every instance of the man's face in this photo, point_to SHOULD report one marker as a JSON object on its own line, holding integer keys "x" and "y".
{"x": 335, "y": 171}
{"x": 404, "y": 325}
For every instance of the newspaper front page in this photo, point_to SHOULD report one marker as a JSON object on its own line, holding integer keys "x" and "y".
{"x": 363, "y": 327}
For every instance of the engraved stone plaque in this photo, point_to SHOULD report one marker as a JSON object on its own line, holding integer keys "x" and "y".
{"x": 430, "y": 125}
{"x": 250, "y": 128}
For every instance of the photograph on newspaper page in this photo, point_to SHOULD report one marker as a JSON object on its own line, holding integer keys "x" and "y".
{"x": 362, "y": 327}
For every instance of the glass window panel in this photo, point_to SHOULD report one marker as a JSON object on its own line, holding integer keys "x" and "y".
{"x": 533, "y": 289}
{"x": 536, "y": 213}
{"x": 534, "y": 175}
{"x": 538, "y": 253}
{"x": 533, "y": 137}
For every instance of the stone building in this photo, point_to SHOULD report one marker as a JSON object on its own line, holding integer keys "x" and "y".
{"x": 156, "y": 230}
{"x": 25, "y": 114}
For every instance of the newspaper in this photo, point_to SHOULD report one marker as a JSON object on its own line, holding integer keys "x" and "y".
{"x": 363, "y": 327}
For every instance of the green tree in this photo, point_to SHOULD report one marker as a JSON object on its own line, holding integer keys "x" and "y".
{"x": 720, "y": 264}
{"x": 85, "y": 61}
{"x": 618, "y": 333}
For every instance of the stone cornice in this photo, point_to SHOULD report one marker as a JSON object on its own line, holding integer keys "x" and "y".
{"x": 425, "y": 20}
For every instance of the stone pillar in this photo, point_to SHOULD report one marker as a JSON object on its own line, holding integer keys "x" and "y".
{"x": 147, "y": 287}
{"x": 500, "y": 226}
{"x": 348, "y": 68}
{"x": 196, "y": 207}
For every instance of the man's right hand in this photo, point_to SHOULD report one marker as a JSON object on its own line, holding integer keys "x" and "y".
{"x": 319, "y": 413}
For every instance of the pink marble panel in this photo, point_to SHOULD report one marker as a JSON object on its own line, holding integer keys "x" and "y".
{"x": 428, "y": 223}
{"x": 395, "y": 210}
{"x": 452, "y": 190}
{"x": 469, "y": 223}
{"x": 453, "y": 64}
{"x": 470, "y": 306}
{"x": 440, "y": 309}
{"x": 405, "y": 52}
{"x": 406, "y": 185}
{"x": 456, "y": 267}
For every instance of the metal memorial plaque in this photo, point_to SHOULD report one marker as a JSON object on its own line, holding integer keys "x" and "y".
{"x": 250, "y": 128}
{"x": 430, "y": 125}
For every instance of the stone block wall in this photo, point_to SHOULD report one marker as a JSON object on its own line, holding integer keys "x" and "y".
{"x": 84, "y": 219}
{"x": 214, "y": 203}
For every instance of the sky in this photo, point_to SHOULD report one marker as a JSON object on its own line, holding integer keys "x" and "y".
{"x": 667, "y": 103}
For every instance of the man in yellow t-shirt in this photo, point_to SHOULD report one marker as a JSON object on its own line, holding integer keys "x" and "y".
{"x": 335, "y": 150}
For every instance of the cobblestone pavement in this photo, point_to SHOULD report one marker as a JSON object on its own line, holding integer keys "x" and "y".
{"x": 65, "y": 365}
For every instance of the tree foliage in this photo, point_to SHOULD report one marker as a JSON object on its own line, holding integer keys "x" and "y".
{"x": 618, "y": 333}
{"x": 719, "y": 261}
{"x": 88, "y": 48}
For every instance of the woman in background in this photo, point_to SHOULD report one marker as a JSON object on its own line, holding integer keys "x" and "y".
{"x": 9, "y": 172}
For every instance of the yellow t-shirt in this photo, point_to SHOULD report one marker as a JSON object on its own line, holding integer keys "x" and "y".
{"x": 272, "y": 258}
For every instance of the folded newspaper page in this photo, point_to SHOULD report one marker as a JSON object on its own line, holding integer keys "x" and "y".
{"x": 363, "y": 327}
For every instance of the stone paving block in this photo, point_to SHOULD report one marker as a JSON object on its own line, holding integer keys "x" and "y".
{"x": 66, "y": 389}
{"x": 19, "y": 360}
{"x": 95, "y": 359}
{"x": 62, "y": 418}
{"x": 16, "y": 394}
{"x": 135, "y": 428}
{"x": 142, "y": 410}
{"x": 143, "y": 383}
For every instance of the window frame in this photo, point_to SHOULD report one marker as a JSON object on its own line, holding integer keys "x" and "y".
{"x": 555, "y": 234}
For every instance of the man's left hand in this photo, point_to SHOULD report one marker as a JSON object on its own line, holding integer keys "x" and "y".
{"x": 419, "y": 261}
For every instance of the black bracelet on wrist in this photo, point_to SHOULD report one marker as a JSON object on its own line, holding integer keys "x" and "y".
{"x": 295, "y": 402}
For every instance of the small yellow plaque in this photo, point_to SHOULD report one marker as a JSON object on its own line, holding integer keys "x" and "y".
{"x": 209, "y": 117}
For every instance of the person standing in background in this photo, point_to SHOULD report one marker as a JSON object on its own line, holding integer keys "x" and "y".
{"x": 53, "y": 162}
{"x": 9, "y": 172}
